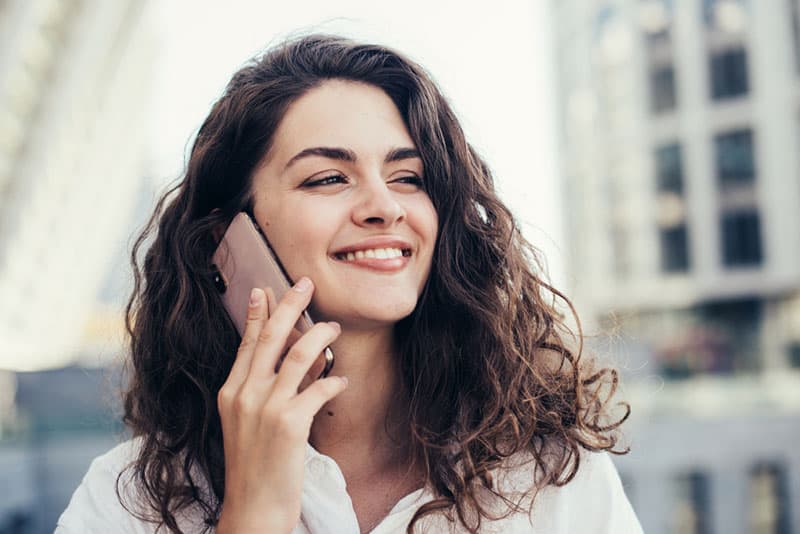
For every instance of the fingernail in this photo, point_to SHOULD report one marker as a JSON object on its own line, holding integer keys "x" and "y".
{"x": 304, "y": 284}
{"x": 255, "y": 297}
{"x": 336, "y": 325}
{"x": 344, "y": 379}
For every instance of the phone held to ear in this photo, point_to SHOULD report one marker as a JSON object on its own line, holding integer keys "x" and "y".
{"x": 244, "y": 259}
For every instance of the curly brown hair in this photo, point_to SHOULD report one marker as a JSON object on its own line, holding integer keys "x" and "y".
{"x": 490, "y": 363}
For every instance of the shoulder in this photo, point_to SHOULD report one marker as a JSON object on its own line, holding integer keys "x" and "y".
{"x": 95, "y": 505}
{"x": 593, "y": 501}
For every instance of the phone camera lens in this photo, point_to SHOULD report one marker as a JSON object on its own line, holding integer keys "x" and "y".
{"x": 219, "y": 283}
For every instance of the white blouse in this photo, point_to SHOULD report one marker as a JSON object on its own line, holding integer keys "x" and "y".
{"x": 593, "y": 502}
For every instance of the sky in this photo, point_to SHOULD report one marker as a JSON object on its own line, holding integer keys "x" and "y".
{"x": 493, "y": 61}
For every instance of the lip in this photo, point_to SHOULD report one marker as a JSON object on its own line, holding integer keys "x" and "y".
{"x": 387, "y": 265}
{"x": 376, "y": 242}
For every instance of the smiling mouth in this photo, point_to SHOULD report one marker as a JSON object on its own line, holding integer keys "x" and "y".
{"x": 374, "y": 253}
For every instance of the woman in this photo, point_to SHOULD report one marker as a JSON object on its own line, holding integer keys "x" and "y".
{"x": 456, "y": 402}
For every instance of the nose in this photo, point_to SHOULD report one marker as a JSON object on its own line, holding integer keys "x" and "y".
{"x": 377, "y": 206}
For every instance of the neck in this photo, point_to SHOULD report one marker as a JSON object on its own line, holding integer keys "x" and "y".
{"x": 361, "y": 427}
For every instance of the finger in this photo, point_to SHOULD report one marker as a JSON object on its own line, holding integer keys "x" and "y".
{"x": 314, "y": 397}
{"x": 272, "y": 302}
{"x": 256, "y": 317}
{"x": 302, "y": 356}
{"x": 294, "y": 335}
{"x": 275, "y": 332}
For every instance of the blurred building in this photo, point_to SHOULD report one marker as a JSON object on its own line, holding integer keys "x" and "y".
{"x": 64, "y": 418}
{"x": 680, "y": 129}
{"x": 74, "y": 105}
{"x": 74, "y": 100}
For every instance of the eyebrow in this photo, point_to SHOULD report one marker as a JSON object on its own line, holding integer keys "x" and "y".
{"x": 343, "y": 154}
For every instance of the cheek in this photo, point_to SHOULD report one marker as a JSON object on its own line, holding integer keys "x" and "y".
{"x": 296, "y": 233}
{"x": 428, "y": 222}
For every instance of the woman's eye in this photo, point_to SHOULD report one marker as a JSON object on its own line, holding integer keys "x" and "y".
{"x": 413, "y": 180}
{"x": 327, "y": 180}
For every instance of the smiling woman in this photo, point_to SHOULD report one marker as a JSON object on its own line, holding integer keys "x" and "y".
{"x": 358, "y": 189}
{"x": 459, "y": 400}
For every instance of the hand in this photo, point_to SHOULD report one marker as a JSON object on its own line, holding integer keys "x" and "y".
{"x": 265, "y": 421}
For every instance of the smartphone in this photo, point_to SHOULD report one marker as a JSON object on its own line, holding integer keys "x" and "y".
{"x": 243, "y": 260}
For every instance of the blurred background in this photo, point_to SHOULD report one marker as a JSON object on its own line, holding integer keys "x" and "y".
{"x": 648, "y": 147}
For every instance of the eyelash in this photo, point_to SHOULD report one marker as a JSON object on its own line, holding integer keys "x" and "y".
{"x": 414, "y": 180}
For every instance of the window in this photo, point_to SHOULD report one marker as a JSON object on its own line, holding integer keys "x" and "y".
{"x": 794, "y": 354}
{"x": 735, "y": 159}
{"x": 729, "y": 74}
{"x": 737, "y": 326}
{"x": 691, "y": 514}
{"x": 769, "y": 502}
{"x": 741, "y": 239}
{"x": 662, "y": 89}
{"x": 669, "y": 172}
{"x": 674, "y": 249}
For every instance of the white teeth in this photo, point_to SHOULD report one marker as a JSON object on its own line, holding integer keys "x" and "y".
{"x": 376, "y": 253}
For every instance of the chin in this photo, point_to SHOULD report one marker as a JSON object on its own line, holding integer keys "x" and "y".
{"x": 382, "y": 312}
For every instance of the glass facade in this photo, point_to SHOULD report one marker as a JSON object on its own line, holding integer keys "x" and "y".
{"x": 662, "y": 89}
{"x": 669, "y": 169}
{"x": 729, "y": 77}
{"x": 738, "y": 325}
{"x": 674, "y": 249}
{"x": 741, "y": 239}
{"x": 655, "y": 19}
{"x": 769, "y": 500}
{"x": 717, "y": 338}
{"x": 691, "y": 513}
{"x": 794, "y": 354}
{"x": 735, "y": 157}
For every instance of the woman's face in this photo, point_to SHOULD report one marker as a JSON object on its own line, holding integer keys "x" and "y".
{"x": 339, "y": 195}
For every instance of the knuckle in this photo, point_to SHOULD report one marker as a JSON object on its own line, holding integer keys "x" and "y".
{"x": 253, "y": 322}
{"x": 256, "y": 314}
{"x": 225, "y": 396}
{"x": 285, "y": 419}
{"x": 246, "y": 345}
{"x": 289, "y": 425}
{"x": 270, "y": 415}
{"x": 278, "y": 421}
{"x": 265, "y": 334}
{"x": 296, "y": 355}
{"x": 245, "y": 403}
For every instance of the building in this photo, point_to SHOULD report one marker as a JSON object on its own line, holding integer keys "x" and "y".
{"x": 65, "y": 418}
{"x": 680, "y": 123}
{"x": 73, "y": 117}
{"x": 74, "y": 103}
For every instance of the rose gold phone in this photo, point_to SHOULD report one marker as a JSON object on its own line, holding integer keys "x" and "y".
{"x": 244, "y": 260}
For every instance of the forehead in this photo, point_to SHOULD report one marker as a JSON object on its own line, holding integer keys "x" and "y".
{"x": 349, "y": 114}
